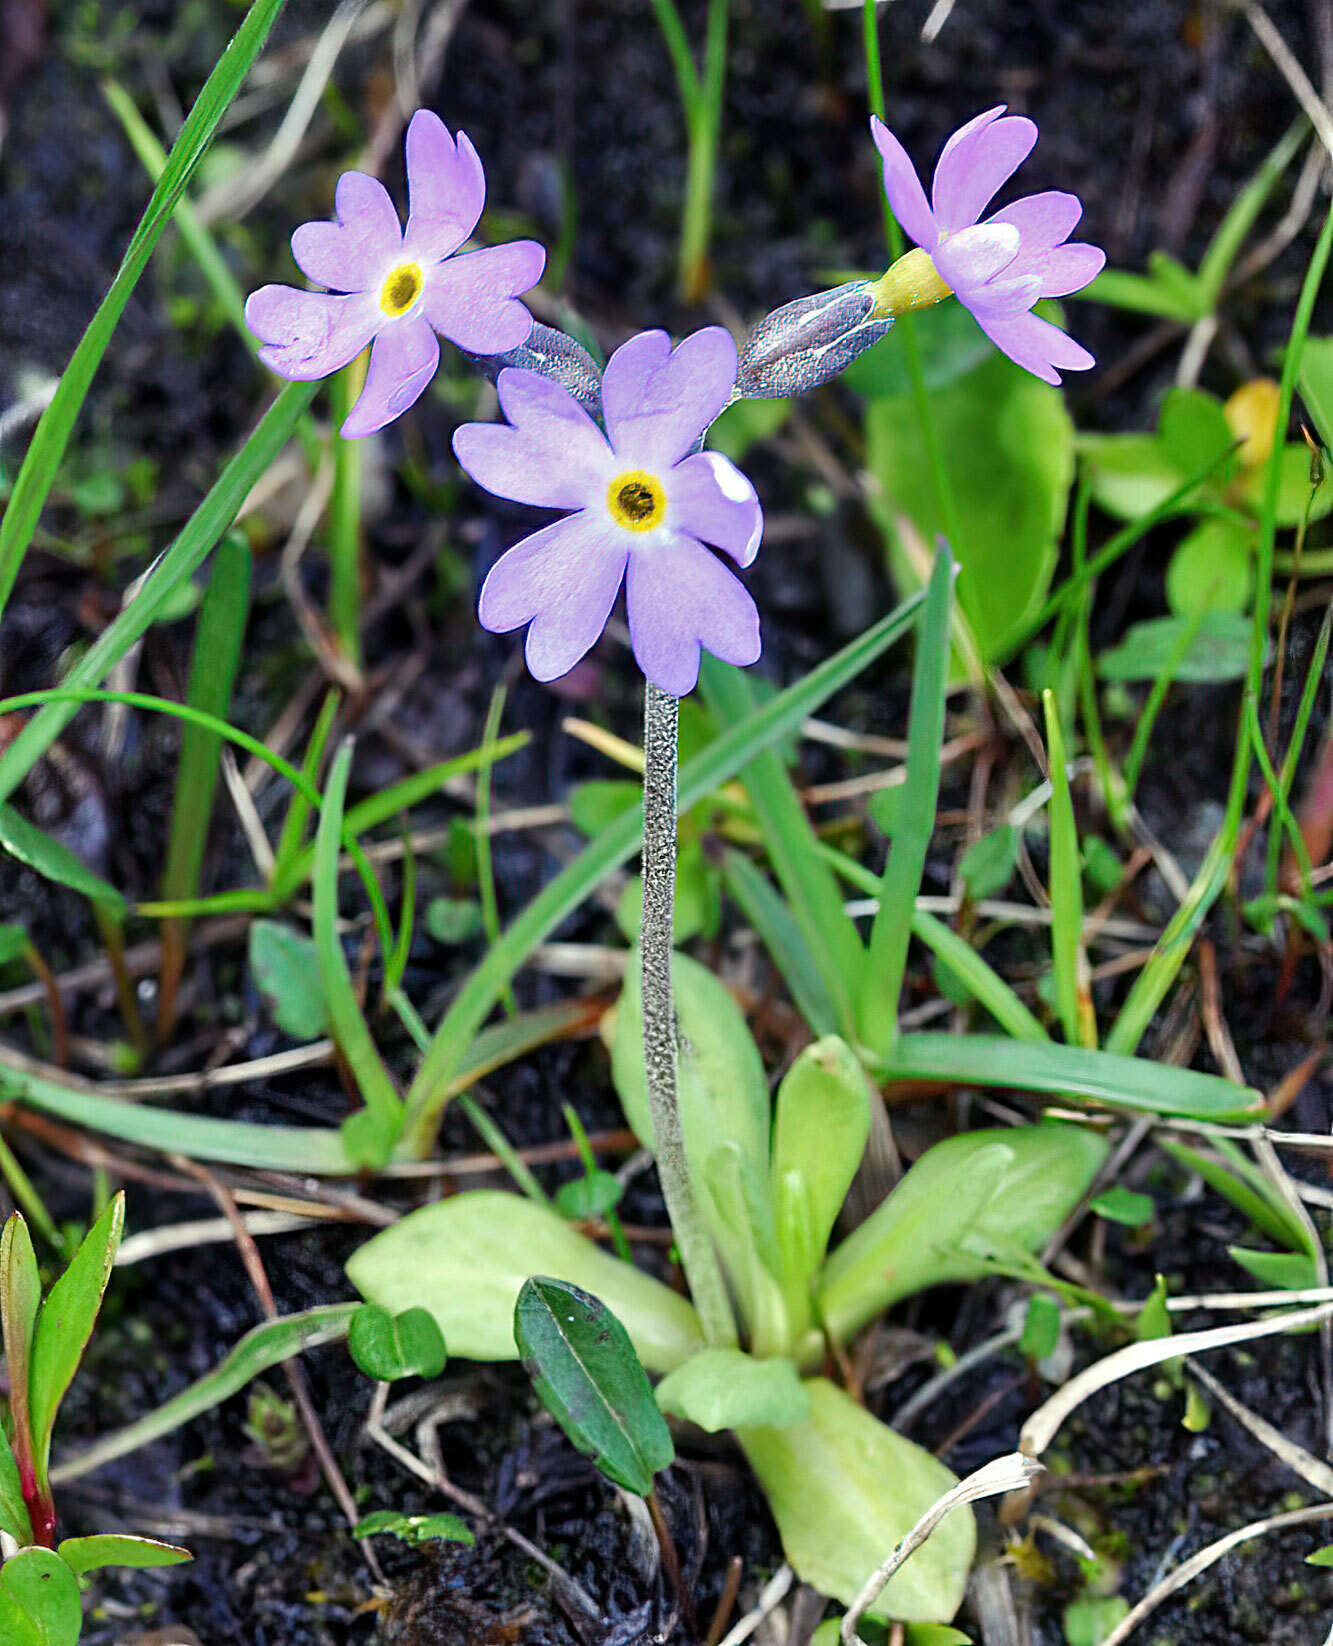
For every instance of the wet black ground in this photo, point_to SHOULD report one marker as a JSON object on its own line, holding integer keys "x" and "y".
{"x": 1155, "y": 113}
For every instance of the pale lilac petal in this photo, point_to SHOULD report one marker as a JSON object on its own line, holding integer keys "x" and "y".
{"x": 563, "y": 580}
{"x": 1067, "y": 269}
{"x": 550, "y": 454}
{"x": 681, "y": 597}
{"x": 1034, "y": 344}
{"x": 1006, "y": 295}
{"x": 1043, "y": 220}
{"x": 977, "y": 160}
{"x": 903, "y": 187}
{"x": 973, "y": 256}
{"x": 977, "y": 123}
{"x": 402, "y": 363}
{"x": 709, "y": 497}
{"x": 446, "y": 188}
{"x": 473, "y": 299}
{"x": 308, "y": 334}
{"x": 355, "y": 252}
{"x": 657, "y": 401}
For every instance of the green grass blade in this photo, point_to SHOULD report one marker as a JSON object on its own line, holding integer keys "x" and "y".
{"x": 778, "y": 931}
{"x": 1152, "y": 704}
{"x": 882, "y": 978}
{"x": 186, "y": 554}
{"x": 481, "y": 838}
{"x": 699, "y": 776}
{"x": 264, "y": 1347}
{"x": 1244, "y": 209}
{"x": 344, "y": 519}
{"x": 1068, "y": 961}
{"x": 312, "y": 1150}
{"x": 284, "y": 881}
{"x": 213, "y": 663}
{"x": 373, "y": 1136}
{"x": 808, "y": 885}
{"x": 197, "y": 237}
{"x": 51, "y": 437}
{"x": 1151, "y": 986}
{"x": 1180, "y": 501}
{"x": 982, "y": 981}
{"x": 1071, "y": 1073}
{"x": 192, "y": 716}
{"x": 1314, "y": 676}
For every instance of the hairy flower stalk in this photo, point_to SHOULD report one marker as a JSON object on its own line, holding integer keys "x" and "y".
{"x": 661, "y": 716}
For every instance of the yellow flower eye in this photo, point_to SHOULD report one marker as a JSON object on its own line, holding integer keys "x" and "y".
{"x": 636, "y": 501}
{"x": 401, "y": 288}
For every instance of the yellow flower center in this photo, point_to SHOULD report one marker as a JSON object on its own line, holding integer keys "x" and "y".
{"x": 636, "y": 501}
{"x": 402, "y": 286}
{"x": 913, "y": 282}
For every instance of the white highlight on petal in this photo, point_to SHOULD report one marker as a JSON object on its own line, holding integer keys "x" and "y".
{"x": 731, "y": 482}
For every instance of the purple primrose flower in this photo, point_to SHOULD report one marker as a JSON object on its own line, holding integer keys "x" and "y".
{"x": 394, "y": 289}
{"x": 1000, "y": 267}
{"x": 644, "y": 505}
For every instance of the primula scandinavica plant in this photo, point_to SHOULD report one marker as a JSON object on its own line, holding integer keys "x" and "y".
{"x": 753, "y": 1191}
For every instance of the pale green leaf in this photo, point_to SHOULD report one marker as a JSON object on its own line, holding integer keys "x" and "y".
{"x": 728, "y": 1389}
{"x": 466, "y": 1258}
{"x": 844, "y": 1489}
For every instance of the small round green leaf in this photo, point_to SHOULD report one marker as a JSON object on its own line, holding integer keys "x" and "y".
{"x": 387, "y": 1347}
{"x": 588, "y": 1197}
{"x": 414, "y": 1529}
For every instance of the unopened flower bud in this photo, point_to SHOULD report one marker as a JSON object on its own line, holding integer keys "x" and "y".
{"x": 555, "y": 354}
{"x": 808, "y": 342}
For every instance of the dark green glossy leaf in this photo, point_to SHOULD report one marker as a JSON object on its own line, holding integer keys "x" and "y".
{"x": 584, "y": 1369}
{"x": 387, "y": 1347}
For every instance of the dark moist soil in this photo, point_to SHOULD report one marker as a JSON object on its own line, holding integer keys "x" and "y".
{"x": 1156, "y": 113}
